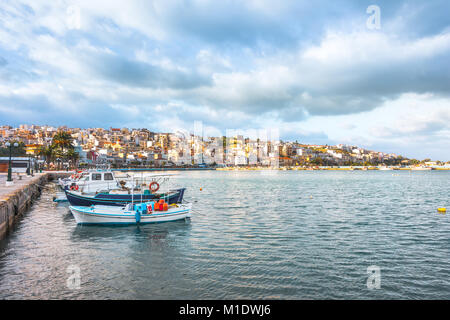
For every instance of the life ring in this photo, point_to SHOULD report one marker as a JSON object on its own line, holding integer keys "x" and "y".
{"x": 74, "y": 187}
{"x": 153, "y": 189}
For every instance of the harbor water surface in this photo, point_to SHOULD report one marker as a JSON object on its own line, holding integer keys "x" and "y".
{"x": 252, "y": 235}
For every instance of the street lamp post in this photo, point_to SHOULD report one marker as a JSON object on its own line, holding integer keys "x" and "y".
{"x": 9, "y": 145}
{"x": 29, "y": 167}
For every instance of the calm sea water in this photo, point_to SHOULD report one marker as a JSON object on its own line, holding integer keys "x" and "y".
{"x": 253, "y": 235}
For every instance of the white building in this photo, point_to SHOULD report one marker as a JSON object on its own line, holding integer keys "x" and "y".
{"x": 240, "y": 160}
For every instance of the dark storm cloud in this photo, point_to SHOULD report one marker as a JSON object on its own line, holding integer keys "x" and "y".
{"x": 3, "y": 62}
{"x": 141, "y": 74}
{"x": 38, "y": 109}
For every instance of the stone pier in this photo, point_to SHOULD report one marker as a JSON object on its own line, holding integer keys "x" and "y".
{"x": 16, "y": 199}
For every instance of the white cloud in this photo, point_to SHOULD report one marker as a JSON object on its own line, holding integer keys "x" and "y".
{"x": 381, "y": 87}
{"x": 350, "y": 49}
{"x": 412, "y": 124}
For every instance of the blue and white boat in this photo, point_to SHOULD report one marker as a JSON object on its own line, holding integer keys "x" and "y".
{"x": 104, "y": 187}
{"x": 129, "y": 214}
{"x": 121, "y": 197}
{"x": 94, "y": 180}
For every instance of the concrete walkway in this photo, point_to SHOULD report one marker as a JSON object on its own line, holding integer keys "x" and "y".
{"x": 19, "y": 183}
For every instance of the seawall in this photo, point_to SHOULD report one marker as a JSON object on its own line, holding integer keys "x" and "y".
{"x": 16, "y": 199}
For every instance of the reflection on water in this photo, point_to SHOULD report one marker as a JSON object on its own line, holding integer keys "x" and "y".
{"x": 286, "y": 235}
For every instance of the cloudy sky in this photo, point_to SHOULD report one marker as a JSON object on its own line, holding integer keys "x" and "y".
{"x": 319, "y": 71}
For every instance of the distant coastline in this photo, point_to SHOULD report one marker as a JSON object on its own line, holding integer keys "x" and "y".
{"x": 348, "y": 168}
{"x": 285, "y": 168}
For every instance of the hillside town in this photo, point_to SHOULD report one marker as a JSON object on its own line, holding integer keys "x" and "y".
{"x": 123, "y": 147}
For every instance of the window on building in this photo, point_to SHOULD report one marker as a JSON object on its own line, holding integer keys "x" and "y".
{"x": 108, "y": 176}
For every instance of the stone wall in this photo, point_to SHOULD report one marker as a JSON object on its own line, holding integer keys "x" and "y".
{"x": 15, "y": 204}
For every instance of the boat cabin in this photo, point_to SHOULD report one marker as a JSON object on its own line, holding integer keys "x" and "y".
{"x": 97, "y": 180}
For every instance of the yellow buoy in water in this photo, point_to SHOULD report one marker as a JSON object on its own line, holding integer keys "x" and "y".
{"x": 442, "y": 210}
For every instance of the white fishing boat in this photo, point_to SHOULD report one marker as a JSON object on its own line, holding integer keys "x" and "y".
{"x": 74, "y": 178}
{"x": 112, "y": 185}
{"x": 384, "y": 168}
{"x": 141, "y": 213}
{"x": 91, "y": 181}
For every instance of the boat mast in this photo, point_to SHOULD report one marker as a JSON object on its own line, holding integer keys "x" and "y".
{"x": 202, "y": 145}
{"x": 168, "y": 190}
{"x": 132, "y": 192}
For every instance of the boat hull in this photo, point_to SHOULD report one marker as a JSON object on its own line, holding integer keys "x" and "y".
{"x": 78, "y": 199}
{"x": 101, "y": 215}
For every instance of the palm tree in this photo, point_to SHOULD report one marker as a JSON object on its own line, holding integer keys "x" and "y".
{"x": 63, "y": 140}
{"x": 48, "y": 153}
{"x": 73, "y": 156}
{"x": 63, "y": 147}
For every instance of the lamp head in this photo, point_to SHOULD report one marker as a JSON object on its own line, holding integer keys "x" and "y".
{"x": 16, "y": 144}
{"x": 7, "y": 144}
